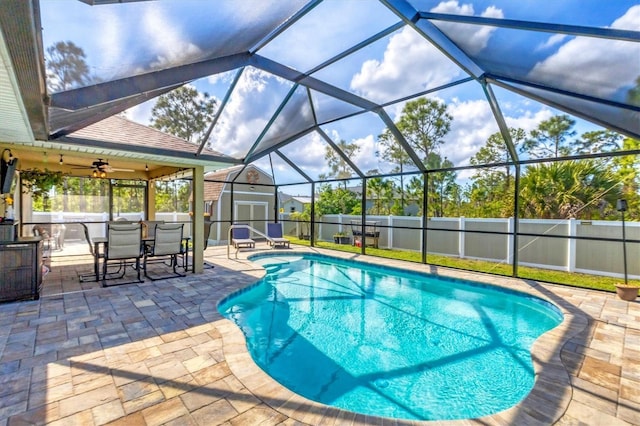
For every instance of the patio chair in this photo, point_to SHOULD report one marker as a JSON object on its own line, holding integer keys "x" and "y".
{"x": 58, "y": 235}
{"x": 95, "y": 277}
{"x": 167, "y": 245}
{"x": 274, "y": 233}
{"x": 240, "y": 237}
{"x": 48, "y": 240}
{"x": 124, "y": 242}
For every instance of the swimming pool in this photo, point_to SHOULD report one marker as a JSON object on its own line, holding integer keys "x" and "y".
{"x": 385, "y": 342}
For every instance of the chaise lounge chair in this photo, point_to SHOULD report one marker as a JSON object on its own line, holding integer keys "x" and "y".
{"x": 240, "y": 237}
{"x": 274, "y": 233}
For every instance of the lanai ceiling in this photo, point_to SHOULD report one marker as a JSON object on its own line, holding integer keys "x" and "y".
{"x": 306, "y": 67}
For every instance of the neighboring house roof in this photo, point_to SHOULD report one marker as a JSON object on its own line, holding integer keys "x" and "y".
{"x": 300, "y": 199}
{"x": 212, "y": 190}
{"x": 120, "y": 130}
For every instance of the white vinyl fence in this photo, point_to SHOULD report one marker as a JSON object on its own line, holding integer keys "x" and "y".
{"x": 95, "y": 221}
{"x": 603, "y": 258}
{"x": 565, "y": 254}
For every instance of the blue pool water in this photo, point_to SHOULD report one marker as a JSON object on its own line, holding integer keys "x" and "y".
{"x": 385, "y": 342}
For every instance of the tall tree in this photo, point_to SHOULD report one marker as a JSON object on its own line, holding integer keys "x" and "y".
{"x": 183, "y": 112}
{"x": 66, "y": 67}
{"x": 550, "y": 138}
{"x": 339, "y": 168}
{"x": 415, "y": 191}
{"x": 381, "y": 192}
{"x": 441, "y": 186}
{"x": 490, "y": 191}
{"x": 597, "y": 141}
{"x": 424, "y": 123}
{"x": 394, "y": 153}
{"x": 633, "y": 96}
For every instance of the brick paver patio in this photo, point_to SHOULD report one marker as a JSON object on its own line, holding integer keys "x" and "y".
{"x": 158, "y": 353}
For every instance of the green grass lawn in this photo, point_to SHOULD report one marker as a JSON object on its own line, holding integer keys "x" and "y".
{"x": 594, "y": 282}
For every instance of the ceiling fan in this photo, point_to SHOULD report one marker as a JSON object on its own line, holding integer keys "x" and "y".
{"x": 101, "y": 168}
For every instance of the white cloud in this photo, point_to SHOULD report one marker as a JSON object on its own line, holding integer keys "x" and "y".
{"x": 604, "y": 65}
{"x": 165, "y": 39}
{"x": 529, "y": 120}
{"x": 110, "y": 43}
{"x": 629, "y": 21}
{"x": 551, "y": 41}
{"x": 141, "y": 113}
{"x": 472, "y": 38}
{"x": 473, "y": 123}
{"x": 409, "y": 64}
{"x": 223, "y": 78}
{"x": 366, "y": 158}
{"x": 308, "y": 154}
{"x": 247, "y": 112}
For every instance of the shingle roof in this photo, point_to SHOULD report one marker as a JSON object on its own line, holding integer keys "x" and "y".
{"x": 212, "y": 190}
{"x": 120, "y": 130}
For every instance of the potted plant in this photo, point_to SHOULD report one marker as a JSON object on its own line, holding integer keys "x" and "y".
{"x": 627, "y": 291}
{"x": 341, "y": 238}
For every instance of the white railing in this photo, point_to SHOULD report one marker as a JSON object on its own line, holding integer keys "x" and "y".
{"x": 252, "y": 230}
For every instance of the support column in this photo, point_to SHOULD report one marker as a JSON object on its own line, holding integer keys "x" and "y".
{"x": 197, "y": 220}
{"x": 510, "y": 238}
{"x": 461, "y": 237}
{"x": 151, "y": 200}
{"x": 571, "y": 244}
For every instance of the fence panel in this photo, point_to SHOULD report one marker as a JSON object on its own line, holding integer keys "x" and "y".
{"x": 443, "y": 242}
{"x": 486, "y": 246}
{"x": 535, "y": 251}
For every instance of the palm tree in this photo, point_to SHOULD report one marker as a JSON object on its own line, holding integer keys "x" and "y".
{"x": 567, "y": 189}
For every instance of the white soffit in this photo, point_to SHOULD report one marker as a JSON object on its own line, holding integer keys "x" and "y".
{"x": 14, "y": 125}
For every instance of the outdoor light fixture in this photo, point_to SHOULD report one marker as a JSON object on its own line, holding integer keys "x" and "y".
{"x": 10, "y": 155}
{"x": 61, "y": 161}
{"x": 622, "y": 207}
{"x": 146, "y": 168}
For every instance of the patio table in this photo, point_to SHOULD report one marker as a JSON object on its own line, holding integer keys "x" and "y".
{"x": 102, "y": 242}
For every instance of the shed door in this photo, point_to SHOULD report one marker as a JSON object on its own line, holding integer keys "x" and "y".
{"x": 253, "y": 213}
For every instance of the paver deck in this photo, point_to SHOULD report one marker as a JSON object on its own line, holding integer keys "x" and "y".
{"x": 159, "y": 353}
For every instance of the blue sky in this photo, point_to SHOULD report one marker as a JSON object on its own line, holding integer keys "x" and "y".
{"x": 115, "y": 37}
